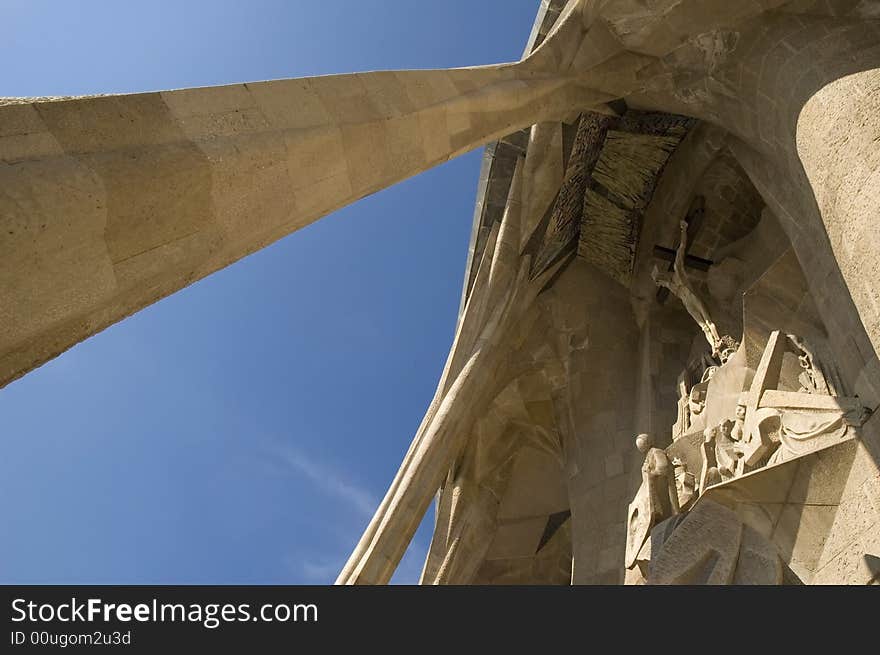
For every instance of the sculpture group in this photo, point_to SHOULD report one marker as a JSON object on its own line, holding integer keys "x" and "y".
{"x": 771, "y": 424}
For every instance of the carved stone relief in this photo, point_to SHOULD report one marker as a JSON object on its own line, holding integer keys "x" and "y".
{"x": 778, "y": 416}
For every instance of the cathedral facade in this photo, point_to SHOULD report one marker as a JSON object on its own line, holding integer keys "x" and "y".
{"x": 665, "y": 367}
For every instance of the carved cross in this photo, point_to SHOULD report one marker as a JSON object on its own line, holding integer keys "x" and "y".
{"x": 694, "y": 220}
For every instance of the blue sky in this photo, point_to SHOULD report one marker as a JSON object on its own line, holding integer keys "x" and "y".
{"x": 243, "y": 430}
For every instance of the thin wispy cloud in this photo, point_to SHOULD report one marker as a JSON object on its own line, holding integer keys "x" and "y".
{"x": 321, "y": 572}
{"x": 328, "y": 479}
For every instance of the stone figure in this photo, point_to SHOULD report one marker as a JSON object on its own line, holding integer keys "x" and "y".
{"x": 658, "y": 471}
{"x": 656, "y": 499}
{"x": 697, "y": 397}
{"x": 728, "y": 451}
{"x": 679, "y": 285}
{"x": 709, "y": 474}
{"x": 813, "y": 378}
{"x": 683, "y": 419}
{"x": 729, "y": 346}
{"x": 801, "y": 433}
{"x": 756, "y": 435}
{"x": 685, "y": 483}
{"x": 737, "y": 433}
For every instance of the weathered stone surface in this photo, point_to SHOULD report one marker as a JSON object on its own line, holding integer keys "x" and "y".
{"x": 702, "y": 549}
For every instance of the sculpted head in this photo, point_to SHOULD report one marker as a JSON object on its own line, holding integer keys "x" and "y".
{"x": 644, "y": 442}
{"x": 709, "y": 435}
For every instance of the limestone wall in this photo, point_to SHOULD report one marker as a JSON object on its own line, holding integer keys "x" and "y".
{"x": 850, "y": 553}
{"x": 599, "y": 438}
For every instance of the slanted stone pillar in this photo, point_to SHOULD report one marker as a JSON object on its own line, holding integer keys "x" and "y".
{"x": 110, "y": 203}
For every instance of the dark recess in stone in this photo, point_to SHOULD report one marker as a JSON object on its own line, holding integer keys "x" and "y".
{"x": 554, "y": 522}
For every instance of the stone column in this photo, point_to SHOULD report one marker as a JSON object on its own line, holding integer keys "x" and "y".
{"x": 110, "y": 203}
